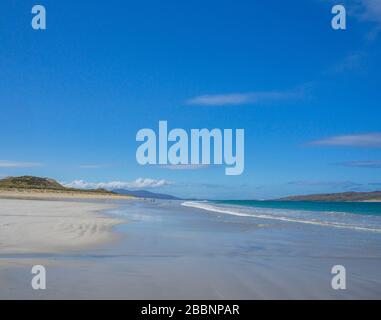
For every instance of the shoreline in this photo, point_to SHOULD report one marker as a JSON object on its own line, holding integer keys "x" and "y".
{"x": 224, "y": 256}
{"x": 44, "y": 194}
{"x": 38, "y": 226}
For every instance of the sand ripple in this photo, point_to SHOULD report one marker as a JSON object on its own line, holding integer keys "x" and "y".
{"x": 33, "y": 226}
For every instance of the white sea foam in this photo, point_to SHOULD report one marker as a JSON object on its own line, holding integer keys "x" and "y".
{"x": 296, "y": 216}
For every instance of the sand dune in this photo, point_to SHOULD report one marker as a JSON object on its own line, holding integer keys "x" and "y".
{"x": 34, "y": 226}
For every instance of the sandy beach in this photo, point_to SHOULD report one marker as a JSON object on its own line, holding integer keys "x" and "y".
{"x": 56, "y": 195}
{"x": 167, "y": 251}
{"x": 35, "y": 226}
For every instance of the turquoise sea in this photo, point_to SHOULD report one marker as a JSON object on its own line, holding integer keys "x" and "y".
{"x": 367, "y": 208}
{"x": 360, "y": 216}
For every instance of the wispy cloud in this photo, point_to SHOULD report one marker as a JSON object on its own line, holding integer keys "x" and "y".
{"x": 372, "y": 164}
{"x": 368, "y": 11}
{"x": 17, "y": 164}
{"x": 352, "y": 62}
{"x": 365, "y": 11}
{"x": 93, "y": 166}
{"x": 313, "y": 183}
{"x": 354, "y": 140}
{"x": 136, "y": 184}
{"x": 247, "y": 98}
{"x": 185, "y": 166}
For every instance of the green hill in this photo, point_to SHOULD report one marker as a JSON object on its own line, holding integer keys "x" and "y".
{"x": 37, "y": 183}
{"x": 30, "y": 182}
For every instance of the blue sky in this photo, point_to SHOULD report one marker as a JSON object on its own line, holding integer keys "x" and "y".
{"x": 73, "y": 96}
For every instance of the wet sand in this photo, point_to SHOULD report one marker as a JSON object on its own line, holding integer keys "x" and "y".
{"x": 167, "y": 251}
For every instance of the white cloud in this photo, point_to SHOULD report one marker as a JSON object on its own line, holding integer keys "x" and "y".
{"x": 371, "y": 10}
{"x": 351, "y": 62}
{"x": 355, "y": 140}
{"x": 93, "y": 166}
{"x": 373, "y": 164}
{"x": 185, "y": 166}
{"x": 222, "y": 99}
{"x": 16, "y": 164}
{"x": 364, "y": 11}
{"x": 245, "y": 98}
{"x": 136, "y": 184}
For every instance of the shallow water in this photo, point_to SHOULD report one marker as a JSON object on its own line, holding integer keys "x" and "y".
{"x": 329, "y": 214}
{"x": 363, "y": 208}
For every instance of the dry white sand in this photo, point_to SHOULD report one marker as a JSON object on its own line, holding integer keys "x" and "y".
{"x": 35, "y": 226}
{"x": 57, "y": 195}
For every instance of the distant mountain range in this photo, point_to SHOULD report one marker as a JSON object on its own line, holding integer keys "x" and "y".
{"x": 343, "y": 196}
{"x": 38, "y": 183}
{"x": 145, "y": 194}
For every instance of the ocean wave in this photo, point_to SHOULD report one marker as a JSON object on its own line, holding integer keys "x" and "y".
{"x": 283, "y": 215}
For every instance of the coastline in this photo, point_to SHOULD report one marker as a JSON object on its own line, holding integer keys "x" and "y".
{"x": 223, "y": 256}
{"x": 44, "y": 194}
{"x": 37, "y": 226}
